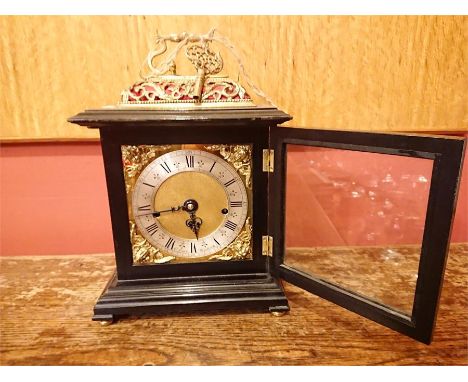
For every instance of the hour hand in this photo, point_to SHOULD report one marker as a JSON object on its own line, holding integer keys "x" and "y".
{"x": 194, "y": 223}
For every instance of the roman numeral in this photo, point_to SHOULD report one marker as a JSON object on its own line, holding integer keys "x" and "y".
{"x": 212, "y": 166}
{"x": 144, "y": 208}
{"x": 190, "y": 160}
{"x": 193, "y": 248}
{"x": 227, "y": 184}
{"x": 170, "y": 243}
{"x": 165, "y": 167}
{"x": 148, "y": 184}
{"x": 235, "y": 204}
{"x": 152, "y": 229}
{"x": 216, "y": 241}
{"x": 229, "y": 224}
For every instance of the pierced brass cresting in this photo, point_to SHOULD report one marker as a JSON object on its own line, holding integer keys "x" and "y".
{"x": 177, "y": 91}
{"x": 207, "y": 64}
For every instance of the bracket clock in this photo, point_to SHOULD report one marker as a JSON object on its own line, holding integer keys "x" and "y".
{"x": 213, "y": 204}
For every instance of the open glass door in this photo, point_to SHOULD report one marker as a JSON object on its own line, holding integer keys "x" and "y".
{"x": 364, "y": 220}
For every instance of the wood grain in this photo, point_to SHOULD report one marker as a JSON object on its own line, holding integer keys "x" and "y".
{"x": 47, "y": 307}
{"x": 362, "y": 73}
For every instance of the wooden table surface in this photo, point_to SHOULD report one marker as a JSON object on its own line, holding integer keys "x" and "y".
{"x": 47, "y": 302}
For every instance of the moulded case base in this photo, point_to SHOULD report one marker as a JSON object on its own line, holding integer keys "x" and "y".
{"x": 249, "y": 292}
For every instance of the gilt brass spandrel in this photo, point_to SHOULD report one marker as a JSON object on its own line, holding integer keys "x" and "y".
{"x": 240, "y": 248}
{"x": 136, "y": 158}
{"x": 239, "y": 156}
{"x": 144, "y": 252}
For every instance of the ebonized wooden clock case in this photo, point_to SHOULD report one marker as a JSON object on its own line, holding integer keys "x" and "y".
{"x": 255, "y": 284}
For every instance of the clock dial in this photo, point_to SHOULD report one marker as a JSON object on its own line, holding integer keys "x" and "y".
{"x": 189, "y": 203}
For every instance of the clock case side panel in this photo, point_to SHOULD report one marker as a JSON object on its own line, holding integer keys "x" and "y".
{"x": 113, "y": 137}
{"x": 447, "y": 155}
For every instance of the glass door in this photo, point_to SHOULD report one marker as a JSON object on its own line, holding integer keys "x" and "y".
{"x": 364, "y": 219}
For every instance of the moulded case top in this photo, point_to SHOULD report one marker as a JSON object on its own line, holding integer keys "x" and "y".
{"x": 364, "y": 220}
{"x": 245, "y": 116}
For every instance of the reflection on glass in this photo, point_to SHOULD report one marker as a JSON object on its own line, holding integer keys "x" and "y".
{"x": 356, "y": 219}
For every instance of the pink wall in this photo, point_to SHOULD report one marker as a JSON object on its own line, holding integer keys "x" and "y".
{"x": 53, "y": 200}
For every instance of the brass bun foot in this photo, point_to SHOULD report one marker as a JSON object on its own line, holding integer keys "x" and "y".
{"x": 105, "y": 323}
{"x": 279, "y": 313}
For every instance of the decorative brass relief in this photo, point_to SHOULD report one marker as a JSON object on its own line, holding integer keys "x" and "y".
{"x": 223, "y": 91}
{"x": 239, "y": 156}
{"x": 136, "y": 158}
{"x": 206, "y": 62}
{"x": 144, "y": 252}
{"x": 160, "y": 91}
{"x": 203, "y": 58}
{"x": 240, "y": 248}
{"x": 180, "y": 89}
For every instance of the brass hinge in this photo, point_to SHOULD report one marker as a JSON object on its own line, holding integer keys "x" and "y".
{"x": 268, "y": 160}
{"x": 267, "y": 246}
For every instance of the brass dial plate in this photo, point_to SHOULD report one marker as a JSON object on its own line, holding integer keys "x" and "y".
{"x": 223, "y": 206}
{"x": 206, "y": 190}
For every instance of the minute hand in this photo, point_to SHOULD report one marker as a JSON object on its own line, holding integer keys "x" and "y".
{"x": 158, "y": 213}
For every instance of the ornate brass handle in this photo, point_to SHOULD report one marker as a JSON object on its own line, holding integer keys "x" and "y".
{"x": 206, "y": 62}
